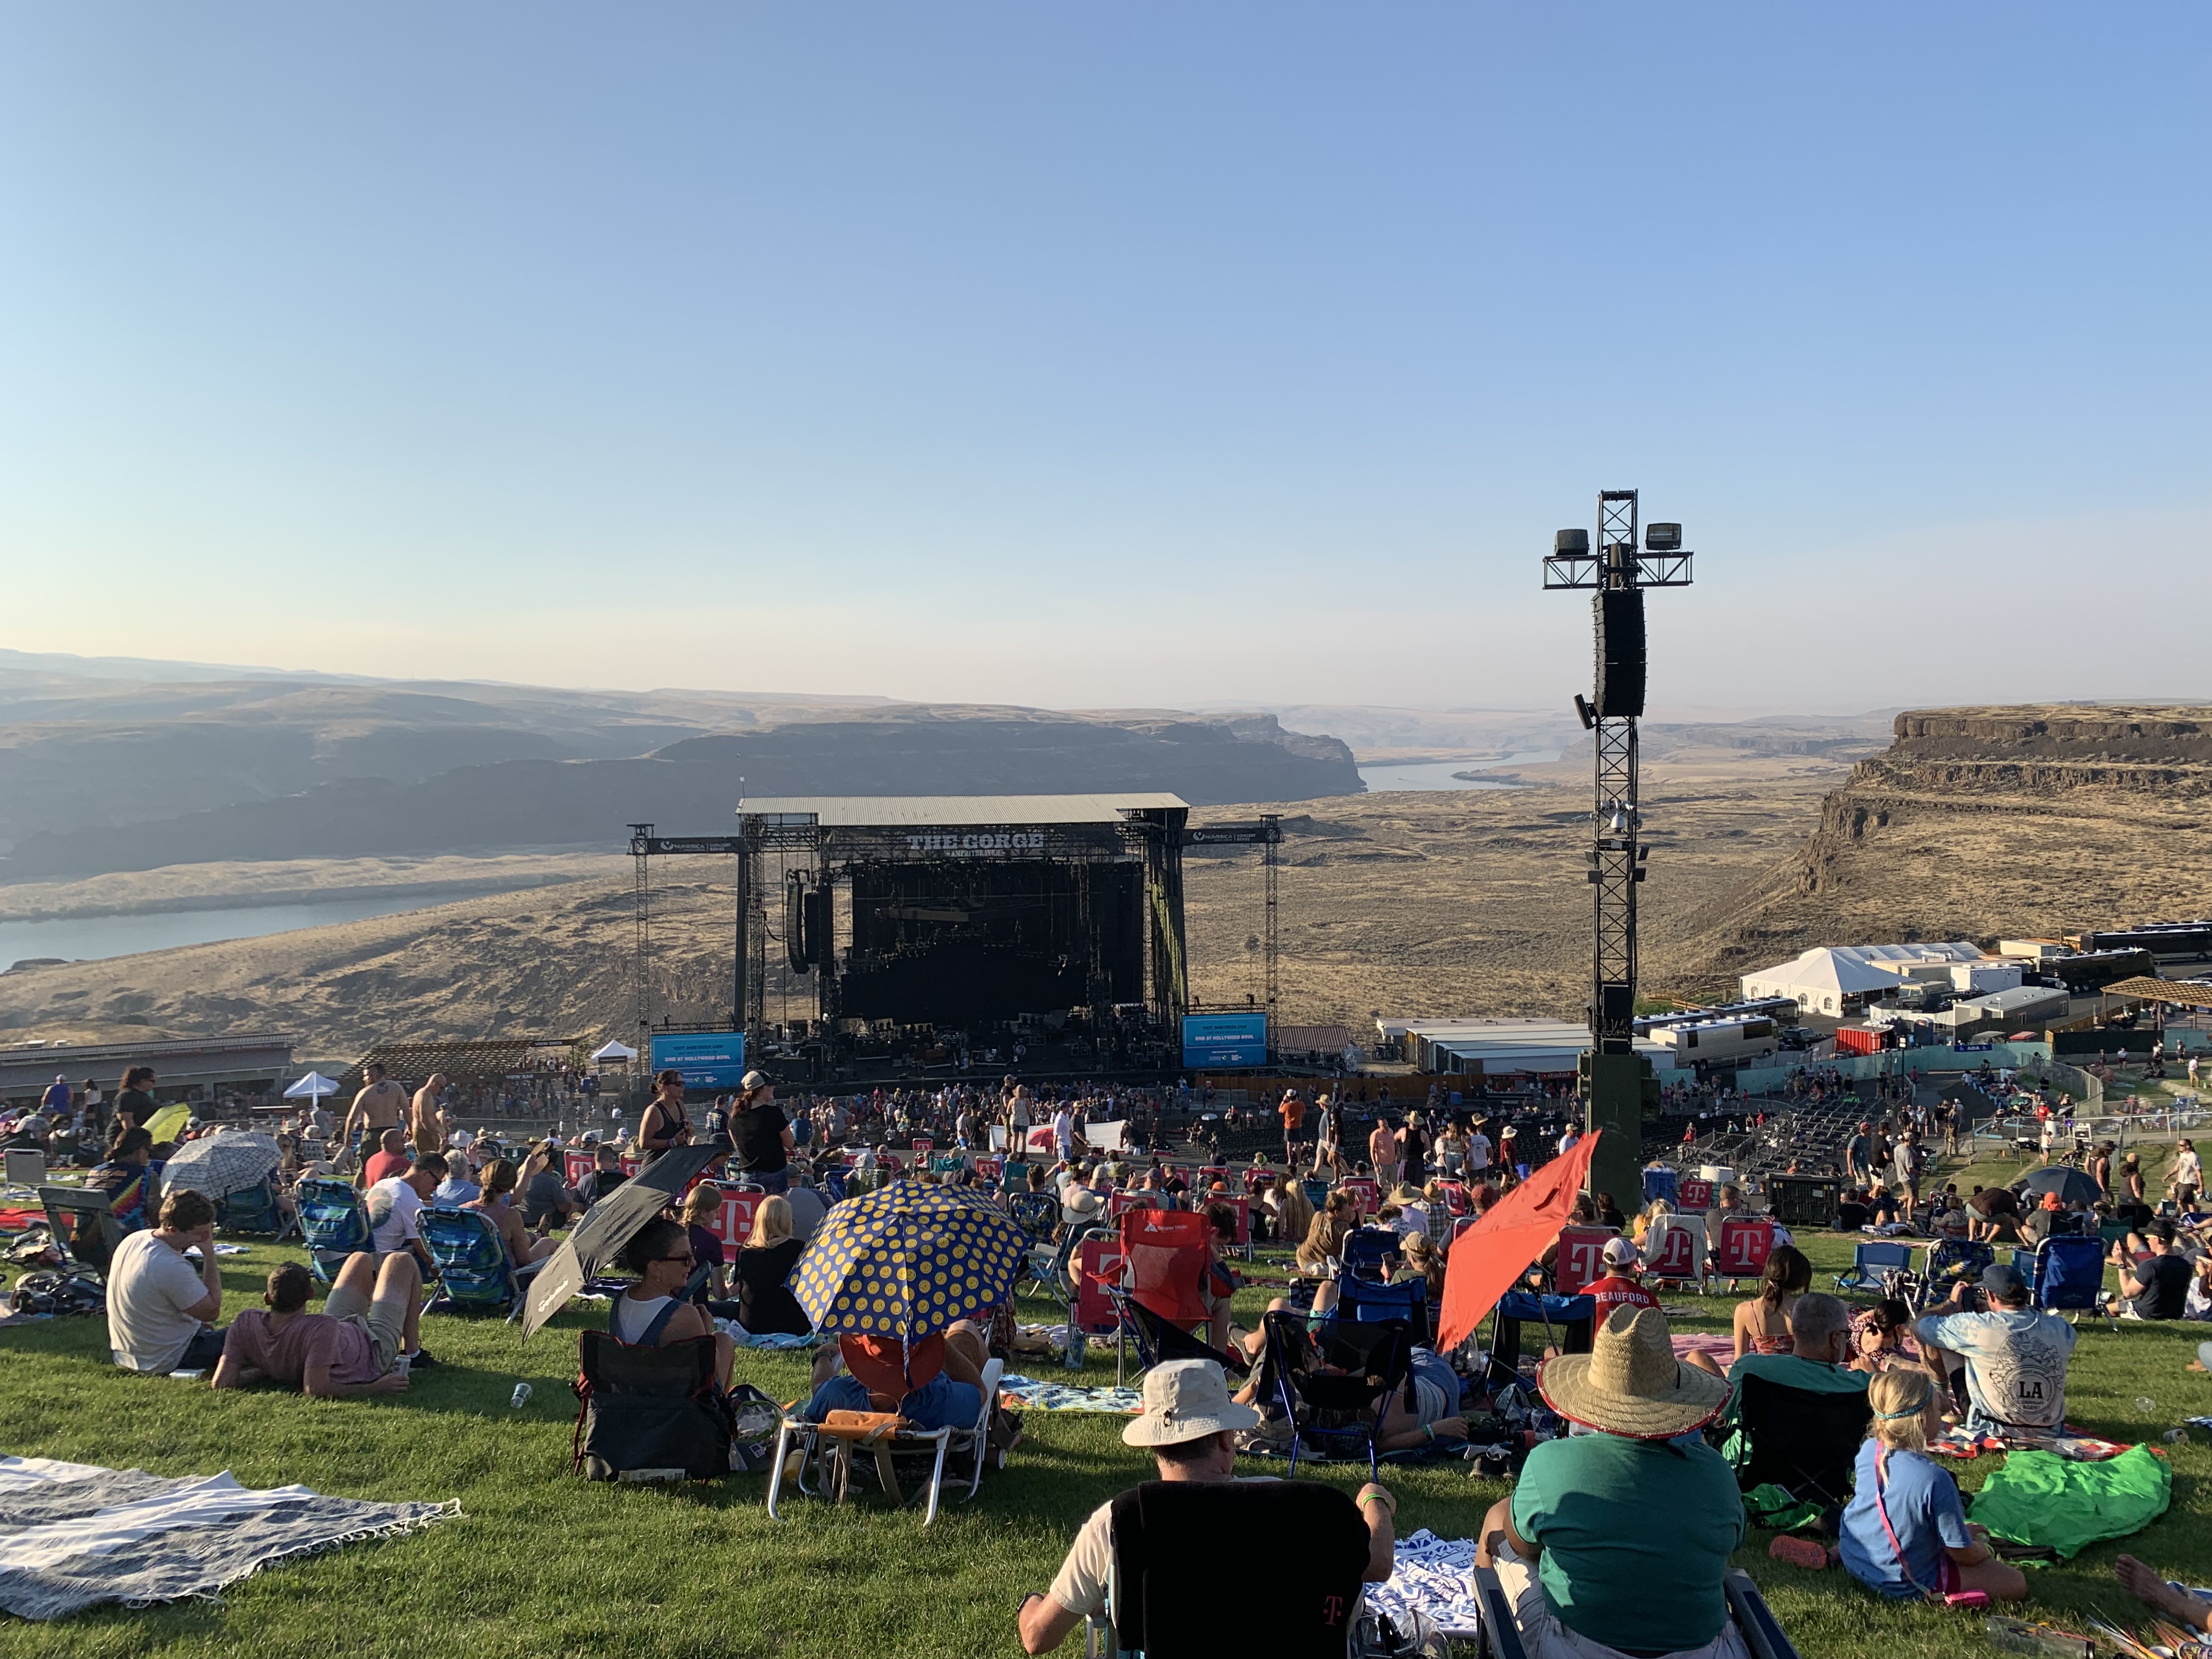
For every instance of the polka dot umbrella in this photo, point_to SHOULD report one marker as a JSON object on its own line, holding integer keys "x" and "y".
{"x": 908, "y": 1260}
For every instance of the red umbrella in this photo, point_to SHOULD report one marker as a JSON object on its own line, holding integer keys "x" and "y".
{"x": 1488, "y": 1257}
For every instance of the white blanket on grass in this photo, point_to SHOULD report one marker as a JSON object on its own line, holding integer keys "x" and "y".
{"x": 1432, "y": 1575}
{"x": 75, "y": 1535}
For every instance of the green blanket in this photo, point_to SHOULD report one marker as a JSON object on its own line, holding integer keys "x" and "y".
{"x": 2039, "y": 1497}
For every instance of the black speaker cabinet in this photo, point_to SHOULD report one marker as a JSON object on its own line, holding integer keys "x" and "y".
{"x": 1620, "y": 663}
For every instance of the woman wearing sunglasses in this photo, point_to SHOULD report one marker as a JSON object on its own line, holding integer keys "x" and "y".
{"x": 651, "y": 1314}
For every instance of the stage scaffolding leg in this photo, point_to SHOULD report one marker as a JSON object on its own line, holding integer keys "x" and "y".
{"x": 640, "y": 835}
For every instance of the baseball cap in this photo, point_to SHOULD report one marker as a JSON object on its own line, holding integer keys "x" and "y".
{"x": 2003, "y": 1282}
{"x": 1618, "y": 1252}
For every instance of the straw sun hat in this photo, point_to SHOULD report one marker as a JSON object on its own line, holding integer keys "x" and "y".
{"x": 1629, "y": 1383}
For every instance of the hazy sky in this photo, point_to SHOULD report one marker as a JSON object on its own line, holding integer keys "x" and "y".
{"x": 1090, "y": 354}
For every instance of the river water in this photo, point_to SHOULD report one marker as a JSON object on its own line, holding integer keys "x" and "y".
{"x": 1438, "y": 775}
{"x": 80, "y": 939}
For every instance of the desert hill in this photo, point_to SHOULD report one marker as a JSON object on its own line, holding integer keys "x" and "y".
{"x": 1978, "y": 823}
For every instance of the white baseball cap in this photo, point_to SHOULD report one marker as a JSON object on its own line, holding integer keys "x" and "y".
{"x": 1618, "y": 1252}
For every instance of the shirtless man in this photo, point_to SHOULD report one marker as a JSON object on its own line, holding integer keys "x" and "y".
{"x": 377, "y": 1107}
{"x": 427, "y": 1123}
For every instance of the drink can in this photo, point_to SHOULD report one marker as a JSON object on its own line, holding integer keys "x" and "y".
{"x": 522, "y": 1397}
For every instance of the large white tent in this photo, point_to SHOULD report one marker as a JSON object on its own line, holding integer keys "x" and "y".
{"x": 1835, "y": 981}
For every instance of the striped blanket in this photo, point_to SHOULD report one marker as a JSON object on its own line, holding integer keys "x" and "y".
{"x": 73, "y": 1535}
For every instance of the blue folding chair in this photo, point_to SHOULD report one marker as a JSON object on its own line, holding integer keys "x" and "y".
{"x": 1958, "y": 1257}
{"x": 254, "y": 1211}
{"x": 1365, "y": 1303}
{"x": 1316, "y": 1191}
{"x": 334, "y": 1222}
{"x": 1870, "y": 1261}
{"x": 1367, "y": 1252}
{"x": 2069, "y": 1277}
{"x": 833, "y": 1184}
{"x": 469, "y": 1271}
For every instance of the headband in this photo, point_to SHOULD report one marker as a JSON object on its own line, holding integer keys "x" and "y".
{"x": 1914, "y": 1409}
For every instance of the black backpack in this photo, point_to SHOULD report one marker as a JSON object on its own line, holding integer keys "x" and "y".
{"x": 651, "y": 1413}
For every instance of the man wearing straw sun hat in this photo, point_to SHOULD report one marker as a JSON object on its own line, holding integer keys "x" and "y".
{"x": 1616, "y": 1542}
{"x": 1190, "y": 1425}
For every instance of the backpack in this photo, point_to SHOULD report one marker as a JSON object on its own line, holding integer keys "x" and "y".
{"x": 652, "y": 1413}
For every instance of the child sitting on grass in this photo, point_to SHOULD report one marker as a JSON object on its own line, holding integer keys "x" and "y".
{"x": 1904, "y": 1533}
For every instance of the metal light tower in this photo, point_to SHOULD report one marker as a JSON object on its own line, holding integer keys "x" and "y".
{"x": 1617, "y": 573}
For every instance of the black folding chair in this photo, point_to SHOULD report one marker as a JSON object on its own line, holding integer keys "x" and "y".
{"x": 82, "y": 1221}
{"x": 1762, "y": 1632}
{"x": 1802, "y": 1441}
{"x": 1332, "y": 1383}
{"x": 1296, "y": 1550}
{"x": 1156, "y": 1339}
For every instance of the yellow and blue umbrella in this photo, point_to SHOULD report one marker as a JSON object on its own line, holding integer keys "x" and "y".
{"x": 908, "y": 1260}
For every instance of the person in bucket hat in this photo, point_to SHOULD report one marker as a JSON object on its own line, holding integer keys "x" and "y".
{"x": 1616, "y": 1540}
{"x": 1190, "y": 1425}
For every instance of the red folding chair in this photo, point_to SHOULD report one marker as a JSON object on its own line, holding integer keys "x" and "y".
{"x": 1098, "y": 1264}
{"x": 1165, "y": 1254}
{"x": 1744, "y": 1246}
{"x": 1366, "y": 1196}
{"x": 1580, "y": 1259}
{"x": 1697, "y": 1193}
{"x": 1454, "y": 1194}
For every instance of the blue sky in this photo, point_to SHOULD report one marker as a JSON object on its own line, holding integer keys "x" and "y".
{"x": 1089, "y": 355}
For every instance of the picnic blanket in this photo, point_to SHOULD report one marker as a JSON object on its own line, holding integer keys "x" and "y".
{"x": 73, "y": 1535}
{"x": 1037, "y": 1394}
{"x": 1964, "y": 1443}
{"x": 1431, "y": 1576}
{"x": 2039, "y": 1497}
{"x": 1721, "y": 1349}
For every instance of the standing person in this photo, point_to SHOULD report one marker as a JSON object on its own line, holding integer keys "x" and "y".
{"x": 1017, "y": 1122}
{"x": 663, "y": 1124}
{"x": 1293, "y": 1111}
{"x": 1910, "y": 1162}
{"x": 56, "y": 1103}
{"x": 764, "y": 1139}
{"x": 1477, "y": 1154}
{"x": 427, "y": 1123}
{"x": 379, "y": 1106}
{"x": 1904, "y": 1534}
{"x": 1858, "y": 1155}
{"x": 134, "y": 1102}
{"x": 94, "y": 1129}
{"x": 2188, "y": 1174}
{"x": 1382, "y": 1153}
{"x": 1063, "y": 1132}
{"x": 161, "y": 1309}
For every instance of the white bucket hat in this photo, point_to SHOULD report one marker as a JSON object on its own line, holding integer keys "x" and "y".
{"x": 1187, "y": 1399}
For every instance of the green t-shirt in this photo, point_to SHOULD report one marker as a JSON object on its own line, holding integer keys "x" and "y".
{"x": 1636, "y": 1535}
{"x": 1813, "y": 1376}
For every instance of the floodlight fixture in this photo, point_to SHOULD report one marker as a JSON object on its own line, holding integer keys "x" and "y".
{"x": 1662, "y": 538}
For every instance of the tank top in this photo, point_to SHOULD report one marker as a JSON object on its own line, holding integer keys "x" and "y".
{"x": 636, "y": 1324}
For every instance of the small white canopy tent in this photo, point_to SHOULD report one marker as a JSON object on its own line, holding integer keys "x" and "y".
{"x": 313, "y": 1086}
{"x": 614, "y": 1052}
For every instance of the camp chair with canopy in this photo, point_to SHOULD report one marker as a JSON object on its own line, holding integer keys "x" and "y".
{"x": 334, "y": 1222}
{"x": 1331, "y": 1384}
{"x": 1294, "y": 1549}
{"x": 1804, "y": 1440}
{"x": 826, "y": 1452}
{"x": 469, "y": 1271}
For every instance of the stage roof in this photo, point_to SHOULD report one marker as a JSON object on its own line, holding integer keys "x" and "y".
{"x": 874, "y": 811}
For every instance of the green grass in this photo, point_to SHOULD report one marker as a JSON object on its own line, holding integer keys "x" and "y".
{"x": 546, "y": 1563}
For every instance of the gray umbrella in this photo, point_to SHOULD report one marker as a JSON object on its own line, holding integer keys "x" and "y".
{"x": 221, "y": 1164}
{"x": 2072, "y": 1186}
{"x": 608, "y": 1225}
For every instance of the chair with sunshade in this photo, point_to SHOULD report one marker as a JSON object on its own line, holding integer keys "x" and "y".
{"x": 334, "y": 1222}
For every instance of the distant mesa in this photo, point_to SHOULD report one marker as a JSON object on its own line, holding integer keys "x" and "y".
{"x": 22, "y": 962}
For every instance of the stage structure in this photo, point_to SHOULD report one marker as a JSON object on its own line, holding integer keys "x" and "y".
{"x": 1617, "y": 574}
{"x": 958, "y": 912}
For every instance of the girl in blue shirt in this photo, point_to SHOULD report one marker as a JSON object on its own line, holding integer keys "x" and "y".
{"x": 1904, "y": 1533}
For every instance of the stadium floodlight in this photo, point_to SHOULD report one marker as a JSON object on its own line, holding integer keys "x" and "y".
{"x": 1662, "y": 538}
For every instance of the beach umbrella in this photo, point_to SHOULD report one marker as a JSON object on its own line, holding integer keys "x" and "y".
{"x": 609, "y": 1224}
{"x": 2072, "y": 1186}
{"x": 169, "y": 1122}
{"x": 220, "y": 1166}
{"x": 313, "y": 1086}
{"x": 907, "y": 1262}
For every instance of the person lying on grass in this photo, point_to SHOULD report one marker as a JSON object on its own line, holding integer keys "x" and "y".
{"x": 2160, "y": 1596}
{"x": 351, "y": 1347}
{"x": 1190, "y": 1425}
{"x": 1904, "y": 1534}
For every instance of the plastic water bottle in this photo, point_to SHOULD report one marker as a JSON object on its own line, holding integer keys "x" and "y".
{"x": 1078, "y": 1347}
{"x": 521, "y": 1397}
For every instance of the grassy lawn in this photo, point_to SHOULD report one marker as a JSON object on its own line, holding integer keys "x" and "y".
{"x": 546, "y": 1563}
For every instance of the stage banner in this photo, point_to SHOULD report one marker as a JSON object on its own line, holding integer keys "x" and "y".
{"x": 707, "y": 1059}
{"x": 1217, "y": 1042}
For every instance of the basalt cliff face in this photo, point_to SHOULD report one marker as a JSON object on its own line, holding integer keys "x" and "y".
{"x": 1981, "y": 823}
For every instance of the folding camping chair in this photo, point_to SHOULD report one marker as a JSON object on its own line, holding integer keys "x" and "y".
{"x": 333, "y": 1221}
{"x": 1369, "y": 1253}
{"x": 1055, "y": 1268}
{"x": 1742, "y": 1250}
{"x": 1330, "y": 1384}
{"x": 2067, "y": 1275}
{"x": 254, "y": 1211}
{"x": 649, "y": 1413}
{"x": 1569, "y": 1324}
{"x": 1675, "y": 1252}
{"x": 1871, "y": 1260}
{"x": 1954, "y": 1255}
{"x": 469, "y": 1266}
{"x": 1161, "y": 1299}
{"x": 1175, "y": 1543}
{"x": 828, "y": 1452}
{"x": 1800, "y": 1439}
{"x": 1367, "y": 1303}
{"x": 1748, "y": 1610}
{"x": 26, "y": 1168}
{"x": 1580, "y": 1259}
{"x": 83, "y": 1222}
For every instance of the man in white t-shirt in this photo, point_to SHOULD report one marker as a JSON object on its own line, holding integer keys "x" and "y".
{"x": 1063, "y": 1132}
{"x": 161, "y": 1309}
{"x": 395, "y": 1202}
{"x": 1190, "y": 1424}
{"x": 1478, "y": 1152}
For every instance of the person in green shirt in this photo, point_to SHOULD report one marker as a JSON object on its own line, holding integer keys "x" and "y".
{"x": 1820, "y": 1344}
{"x": 1617, "y": 1541}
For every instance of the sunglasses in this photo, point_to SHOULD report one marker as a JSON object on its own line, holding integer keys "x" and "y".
{"x": 686, "y": 1258}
